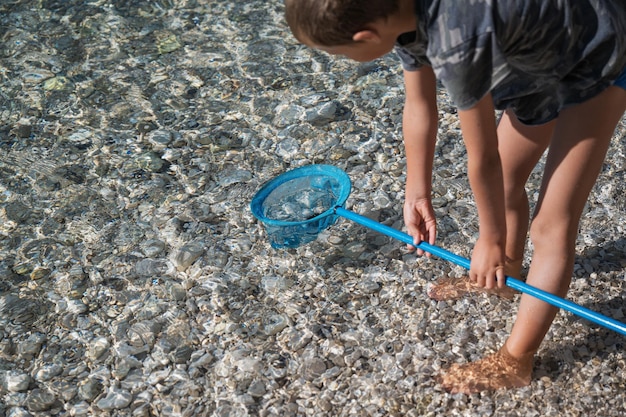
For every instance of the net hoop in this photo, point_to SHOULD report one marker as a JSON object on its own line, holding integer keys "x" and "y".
{"x": 256, "y": 205}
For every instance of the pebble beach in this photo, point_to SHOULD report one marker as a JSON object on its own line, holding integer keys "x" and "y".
{"x": 135, "y": 281}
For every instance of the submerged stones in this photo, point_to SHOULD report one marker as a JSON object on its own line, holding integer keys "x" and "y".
{"x": 134, "y": 280}
{"x": 39, "y": 400}
{"x": 58, "y": 83}
{"x": 167, "y": 42}
{"x": 160, "y": 138}
{"x": 116, "y": 399}
{"x": 17, "y": 211}
{"x": 15, "y": 381}
{"x": 188, "y": 254}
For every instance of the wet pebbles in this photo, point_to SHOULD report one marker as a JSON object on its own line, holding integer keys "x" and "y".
{"x": 134, "y": 280}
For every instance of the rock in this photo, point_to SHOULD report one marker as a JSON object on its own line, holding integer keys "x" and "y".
{"x": 89, "y": 389}
{"x": 17, "y": 382}
{"x": 39, "y": 400}
{"x": 116, "y": 399}
{"x": 187, "y": 255}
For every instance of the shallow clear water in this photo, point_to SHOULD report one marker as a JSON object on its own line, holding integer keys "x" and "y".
{"x": 135, "y": 281}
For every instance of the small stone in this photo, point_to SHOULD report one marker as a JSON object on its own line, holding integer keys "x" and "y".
{"x": 439, "y": 202}
{"x": 31, "y": 347}
{"x": 17, "y": 382}
{"x": 57, "y": 83}
{"x": 145, "y": 126}
{"x": 23, "y": 130}
{"x": 81, "y": 138}
{"x": 77, "y": 272}
{"x": 217, "y": 257}
{"x": 167, "y": 42}
{"x": 257, "y": 389}
{"x": 287, "y": 114}
{"x": 276, "y": 323}
{"x": 321, "y": 113}
{"x": 159, "y": 138}
{"x": 368, "y": 286}
{"x": 17, "y": 212}
{"x": 187, "y": 255}
{"x": 18, "y": 412}
{"x": 152, "y": 267}
{"x": 274, "y": 284}
{"x": 152, "y": 247}
{"x": 98, "y": 347}
{"x": 39, "y": 400}
{"x": 122, "y": 368}
{"x": 36, "y": 76}
{"x": 204, "y": 360}
{"x": 65, "y": 390}
{"x": 314, "y": 368}
{"x": 23, "y": 268}
{"x": 149, "y": 161}
{"x": 143, "y": 334}
{"x": 7, "y": 348}
{"x": 335, "y": 239}
{"x": 48, "y": 371}
{"x": 299, "y": 339}
{"x": 288, "y": 148}
{"x": 158, "y": 376}
{"x": 234, "y": 176}
{"x": 89, "y": 389}
{"x": 230, "y": 410}
{"x": 116, "y": 399}
{"x": 354, "y": 249}
{"x": 324, "y": 404}
{"x": 80, "y": 409}
{"x": 181, "y": 354}
{"x": 76, "y": 307}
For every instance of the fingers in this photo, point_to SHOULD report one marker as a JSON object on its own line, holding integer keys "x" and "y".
{"x": 420, "y": 223}
{"x": 417, "y": 238}
{"x": 491, "y": 280}
{"x": 432, "y": 235}
{"x": 500, "y": 278}
{"x": 421, "y": 236}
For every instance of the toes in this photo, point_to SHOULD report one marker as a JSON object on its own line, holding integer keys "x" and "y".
{"x": 448, "y": 289}
{"x": 497, "y": 371}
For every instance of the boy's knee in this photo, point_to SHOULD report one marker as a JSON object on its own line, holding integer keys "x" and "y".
{"x": 557, "y": 234}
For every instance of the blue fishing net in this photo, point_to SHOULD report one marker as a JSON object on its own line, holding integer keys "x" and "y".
{"x": 297, "y": 205}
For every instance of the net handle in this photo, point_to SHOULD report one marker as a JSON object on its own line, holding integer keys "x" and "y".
{"x": 516, "y": 284}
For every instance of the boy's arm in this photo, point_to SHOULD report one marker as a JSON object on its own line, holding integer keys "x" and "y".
{"x": 485, "y": 176}
{"x": 420, "y": 119}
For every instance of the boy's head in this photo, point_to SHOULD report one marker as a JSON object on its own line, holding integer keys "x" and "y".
{"x": 358, "y": 29}
{"x": 334, "y": 22}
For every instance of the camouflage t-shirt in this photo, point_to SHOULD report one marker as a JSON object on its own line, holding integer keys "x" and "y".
{"x": 534, "y": 56}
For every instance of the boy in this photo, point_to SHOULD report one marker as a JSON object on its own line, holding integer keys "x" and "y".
{"x": 557, "y": 69}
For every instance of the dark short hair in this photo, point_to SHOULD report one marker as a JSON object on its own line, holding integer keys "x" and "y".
{"x": 334, "y": 22}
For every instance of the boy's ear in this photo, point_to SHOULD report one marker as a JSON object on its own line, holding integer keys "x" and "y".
{"x": 366, "y": 35}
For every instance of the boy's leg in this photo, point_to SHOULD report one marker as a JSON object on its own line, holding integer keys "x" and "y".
{"x": 577, "y": 151}
{"x": 581, "y": 139}
{"x": 520, "y": 147}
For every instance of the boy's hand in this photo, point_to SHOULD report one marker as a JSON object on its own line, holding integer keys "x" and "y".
{"x": 487, "y": 265}
{"x": 420, "y": 222}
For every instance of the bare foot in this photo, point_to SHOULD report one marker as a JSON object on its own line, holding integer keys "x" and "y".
{"x": 497, "y": 371}
{"x": 447, "y": 288}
